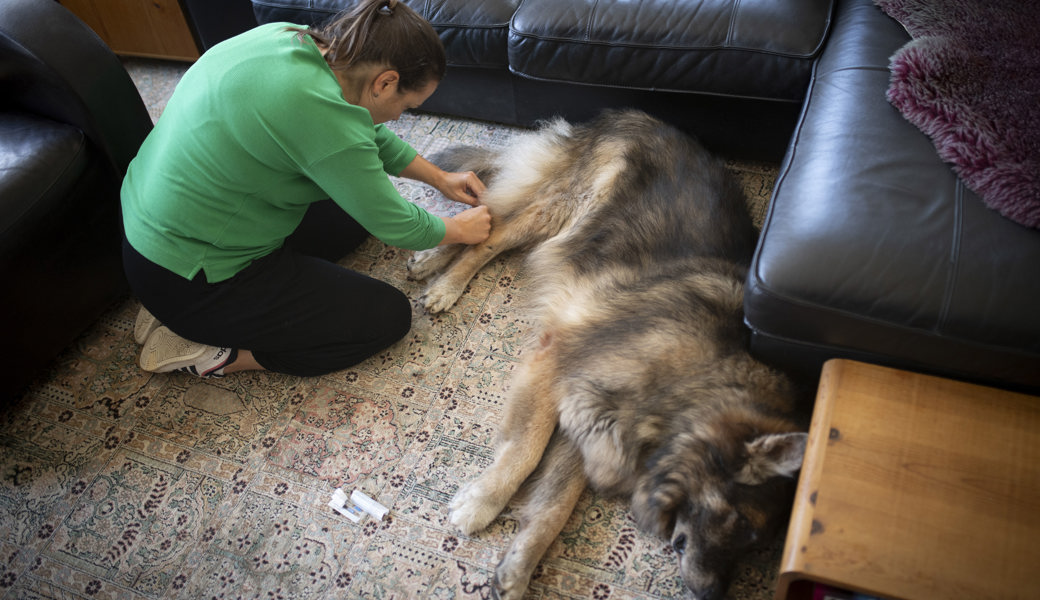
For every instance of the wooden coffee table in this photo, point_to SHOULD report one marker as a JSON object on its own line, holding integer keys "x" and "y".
{"x": 916, "y": 488}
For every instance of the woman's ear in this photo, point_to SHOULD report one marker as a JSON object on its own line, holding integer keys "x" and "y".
{"x": 385, "y": 82}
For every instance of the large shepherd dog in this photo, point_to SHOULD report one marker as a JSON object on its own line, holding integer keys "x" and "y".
{"x": 637, "y": 380}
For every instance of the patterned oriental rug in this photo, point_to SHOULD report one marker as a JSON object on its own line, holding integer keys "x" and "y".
{"x": 118, "y": 483}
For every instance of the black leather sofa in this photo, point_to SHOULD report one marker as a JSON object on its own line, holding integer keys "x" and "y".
{"x": 872, "y": 249}
{"x": 71, "y": 120}
{"x": 733, "y": 73}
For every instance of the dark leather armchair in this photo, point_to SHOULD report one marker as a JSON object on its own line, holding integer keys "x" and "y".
{"x": 71, "y": 120}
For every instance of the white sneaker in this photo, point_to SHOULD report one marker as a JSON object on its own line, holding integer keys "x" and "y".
{"x": 165, "y": 351}
{"x": 145, "y": 324}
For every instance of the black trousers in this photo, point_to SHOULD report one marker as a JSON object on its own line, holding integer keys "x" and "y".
{"x": 297, "y": 310}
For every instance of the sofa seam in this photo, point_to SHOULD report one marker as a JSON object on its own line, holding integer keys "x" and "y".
{"x": 504, "y": 25}
{"x": 591, "y": 19}
{"x": 524, "y": 75}
{"x": 954, "y": 257}
{"x": 785, "y": 169}
{"x": 870, "y": 320}
{"x": 659, "y": 47}
{"x": 734, "y": 8}
{"x": 1016, "y": 352}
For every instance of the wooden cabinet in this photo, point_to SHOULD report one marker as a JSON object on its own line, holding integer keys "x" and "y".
{"x": 152, "y": 28}
{"x": 916, "y": 487}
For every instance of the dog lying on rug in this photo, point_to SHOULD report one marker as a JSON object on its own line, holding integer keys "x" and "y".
{"x": 637, "y": 381}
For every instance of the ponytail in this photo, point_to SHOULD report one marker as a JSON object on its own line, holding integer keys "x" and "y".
{"x": 385, "y": 32}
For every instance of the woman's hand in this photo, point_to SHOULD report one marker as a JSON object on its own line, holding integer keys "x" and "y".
{"x": 462, "y": 187}
{"x": 470, "y": 226}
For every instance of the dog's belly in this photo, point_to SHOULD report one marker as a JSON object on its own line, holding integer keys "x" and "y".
{"x": 605, "y": 375}
{"x": 599, "y": 432}
{"x": 603, "y": 456}
{"x": 603, "y": 462}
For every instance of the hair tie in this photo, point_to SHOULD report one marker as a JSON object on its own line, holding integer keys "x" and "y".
{"x": 387, "y": 9}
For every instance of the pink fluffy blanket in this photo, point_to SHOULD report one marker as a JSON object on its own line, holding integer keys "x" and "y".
{"x": 970, "y": 80}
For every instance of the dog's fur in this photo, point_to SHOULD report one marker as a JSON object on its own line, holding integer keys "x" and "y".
{"x": 637, "y": 381}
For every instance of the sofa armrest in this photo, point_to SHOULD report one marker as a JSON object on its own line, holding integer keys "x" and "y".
{"x": 53, "y": 65}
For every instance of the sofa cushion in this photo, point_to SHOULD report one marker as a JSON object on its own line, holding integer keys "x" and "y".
{"x": 747, "y": 48}
{"x": 474, "y": 33}
{"x": 40, "y": 162}
{"x": 874, "y": 249}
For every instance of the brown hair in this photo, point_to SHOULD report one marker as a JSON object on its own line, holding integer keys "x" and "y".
{"x": 385, "y": 32}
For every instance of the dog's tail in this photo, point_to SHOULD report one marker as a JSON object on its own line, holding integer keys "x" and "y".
{"x": 468, "y": 158}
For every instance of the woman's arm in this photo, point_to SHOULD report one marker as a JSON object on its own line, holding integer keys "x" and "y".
{"x": 470, "y": 226}
{"x": 461, "y": 187}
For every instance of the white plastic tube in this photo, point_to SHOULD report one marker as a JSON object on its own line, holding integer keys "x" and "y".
{"x": 338, "y": 503}
{"x": 361, "y": 504}
{"x": 360, "y": 499}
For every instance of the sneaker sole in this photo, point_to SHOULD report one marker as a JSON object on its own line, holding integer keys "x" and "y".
{"x": 144, "y": 326}
{"x": 166, "y": 351}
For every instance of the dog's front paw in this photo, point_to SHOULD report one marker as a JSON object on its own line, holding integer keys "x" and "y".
{"x": 440, "y": 295}
{"x": 472, "y": 509}
{"x": 510, "y": 581}
{"x": 425, "y": 263}
{"x": 419, "y": 266}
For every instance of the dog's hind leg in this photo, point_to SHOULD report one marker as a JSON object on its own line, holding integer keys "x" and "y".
{"x": 550, "y": 499}
{"x": 529, "y": 420}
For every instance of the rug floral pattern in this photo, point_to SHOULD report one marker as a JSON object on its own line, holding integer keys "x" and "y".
{"x": 116, "y": 483}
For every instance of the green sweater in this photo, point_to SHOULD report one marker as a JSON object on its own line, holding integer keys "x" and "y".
{"x": 256, "y": 131}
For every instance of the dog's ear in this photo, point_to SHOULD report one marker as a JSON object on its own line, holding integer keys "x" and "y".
{"x": 777, "y": 454}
